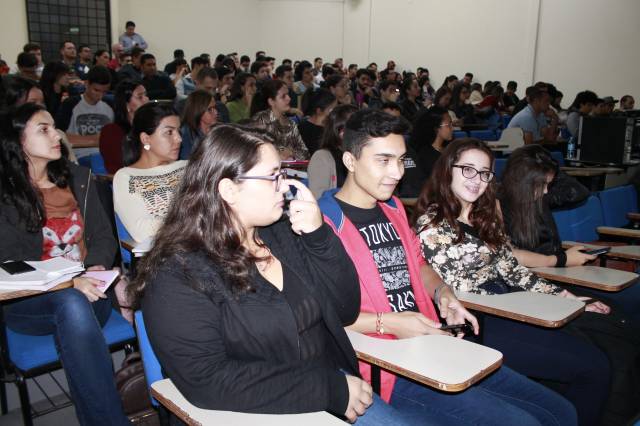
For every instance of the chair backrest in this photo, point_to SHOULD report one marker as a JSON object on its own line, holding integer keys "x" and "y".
{"x": 95, "y": 162}
{"x": 460, "y": 134}
{"x": 483, "y": 135}
{"x": 123, "y": 234}
{"x": 513, "y": 137}
{"x": 499, "y": 166}
{"x": 505, "y": 120}
{"x": 616, "y": 203}
{"x": 580, "y": 223}
{"x": 152, "y": 369}
{"x": 557, "y": 155}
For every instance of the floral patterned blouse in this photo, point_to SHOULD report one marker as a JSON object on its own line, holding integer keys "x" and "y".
{"x": 469, "y": 265}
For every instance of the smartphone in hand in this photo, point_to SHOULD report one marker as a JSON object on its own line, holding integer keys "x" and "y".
{"x": 596, "y": 252}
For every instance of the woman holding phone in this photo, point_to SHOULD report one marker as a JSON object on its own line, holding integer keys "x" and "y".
{"x": 245, "y": 309}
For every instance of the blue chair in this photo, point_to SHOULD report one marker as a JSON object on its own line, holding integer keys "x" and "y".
{"x": 557, "y": 155}
{"x": 152, "y": 369}
{"x": 506, "y": 119}
{"x": 616, "y": 203}
{"x": 483, "y": 135}
{"x": 460, "y": 134}
{"x": 95, "y": 162}
{"x": 499, "y": 166}
{"x": 498, "y": 134}
{"x": 30, "y": 356}
{"x": 565, "y": 133}
{"x": 580, "y": 223}
{"x": 123, "y": 234}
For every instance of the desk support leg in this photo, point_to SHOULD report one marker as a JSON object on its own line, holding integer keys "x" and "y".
{"x": 375, "y": 378}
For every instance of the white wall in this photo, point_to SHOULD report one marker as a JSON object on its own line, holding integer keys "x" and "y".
{"x": 590, "y": 44}
{"x": 13, "y": 24}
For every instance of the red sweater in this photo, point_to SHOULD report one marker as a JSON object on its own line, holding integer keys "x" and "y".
{"x": 111, "y": 138}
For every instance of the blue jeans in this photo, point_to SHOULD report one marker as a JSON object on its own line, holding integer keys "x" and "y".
{"x": 503, "y": 398}
{"x": 581, "y": 368}
{"x": 76, "y": 326}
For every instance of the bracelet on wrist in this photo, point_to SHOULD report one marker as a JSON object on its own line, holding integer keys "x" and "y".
{"x": 379, "y": 323}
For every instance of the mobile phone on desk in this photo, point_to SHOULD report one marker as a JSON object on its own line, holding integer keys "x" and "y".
{"x": 458, "y": 328}
{"x": 598, "y": 251}
{"x": 17, "y": 267}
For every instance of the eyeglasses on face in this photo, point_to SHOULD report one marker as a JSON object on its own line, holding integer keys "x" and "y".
{"x": 277, "y": 178}
{"x": 470, "y": 172}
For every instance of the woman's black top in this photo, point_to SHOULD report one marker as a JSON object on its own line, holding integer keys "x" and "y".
{"x": 265, "y": 350}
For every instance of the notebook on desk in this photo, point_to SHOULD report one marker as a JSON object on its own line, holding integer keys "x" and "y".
{"x": 49, "y": 271}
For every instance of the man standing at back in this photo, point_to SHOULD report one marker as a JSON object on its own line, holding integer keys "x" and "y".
{"x": 130, "y": 39}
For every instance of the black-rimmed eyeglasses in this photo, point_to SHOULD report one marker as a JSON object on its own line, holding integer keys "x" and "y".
{"x": 277, "y": 178}
{"x": 470, "y": 172}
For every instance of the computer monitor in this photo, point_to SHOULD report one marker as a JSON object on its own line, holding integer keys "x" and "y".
{"x": 605, "y": 140}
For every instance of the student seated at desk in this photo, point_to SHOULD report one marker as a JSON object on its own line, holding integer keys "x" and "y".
{"x": 130, "y": 95}
{"x": 268, "y": 110}
{"x": 326, "y": 169}
{"x": 143, "y": 189}
{"x": 244, "y": 309}
{"x": 199, "y": 115}
{"x": 462, "y": 237}
{"x": 531, "y": 185}
{"x": 44, "y": 198}
{"x": 397, "y": 286}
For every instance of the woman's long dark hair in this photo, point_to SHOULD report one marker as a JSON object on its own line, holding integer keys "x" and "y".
{"x": 521, "y": 192}
{"x": 314, "y": 99}
{"x": 438, "y": 199}
{"x": 16, "y": 188}
{"x": 50, "y": 74}
{"x": 268, "y": 91}
{"x": 123, "y": 94}
{"x": 331, "y": 139}
{"x": 146, "y": 119}
{"x": 237, "y": 88}
{"x": 425, "y": 127}
{"x": 197, "y": 104}
{"x": 199, "y": 220}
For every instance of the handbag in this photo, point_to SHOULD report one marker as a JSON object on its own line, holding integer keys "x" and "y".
{"x": 134, "y": 392}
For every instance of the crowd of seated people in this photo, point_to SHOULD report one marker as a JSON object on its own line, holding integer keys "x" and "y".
{"x": 194, "y": 153}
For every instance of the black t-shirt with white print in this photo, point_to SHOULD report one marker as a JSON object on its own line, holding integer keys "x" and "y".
{"x": 387, "y": 251}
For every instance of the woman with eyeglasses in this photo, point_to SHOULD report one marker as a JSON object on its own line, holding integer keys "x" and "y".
{"x": 462, "y": 236}
{"x": 245, "y": 307}
{"x": 198, "y": 117}
{"x": 143, "y": 189}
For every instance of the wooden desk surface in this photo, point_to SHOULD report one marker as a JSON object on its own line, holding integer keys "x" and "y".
{"x": 442, "y": 362}
{"x": 586, "y": 173}
{"x": 589, "y": 276}
{"x": 78, "y": 141}
{"x": 623, "y": 252}
{"x": 633, "y": 216}
{"x": 169, "y": 396}
{"x": 15, "y": 294}
{"x": 128, "y": 244}
{"x": 532, "y": 308}
{"x": 618, "y": 232}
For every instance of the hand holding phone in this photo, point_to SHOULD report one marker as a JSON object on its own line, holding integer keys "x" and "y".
{"x": 597, "y": 252}
{"x": 455, "y": 329}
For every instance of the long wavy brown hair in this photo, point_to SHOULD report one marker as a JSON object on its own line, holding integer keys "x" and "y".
{"x": 438, "y": 199}
{"x": 199, "y": 220}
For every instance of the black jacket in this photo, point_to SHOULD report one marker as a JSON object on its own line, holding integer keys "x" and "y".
{"x": 16, "y": 243}
{"x": 242, "y": 353}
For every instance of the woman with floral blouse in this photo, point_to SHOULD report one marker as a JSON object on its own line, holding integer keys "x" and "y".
{"x": 461, "y": 233}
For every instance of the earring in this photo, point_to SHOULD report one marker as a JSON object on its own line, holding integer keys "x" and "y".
{"x": 146, "y": 146}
